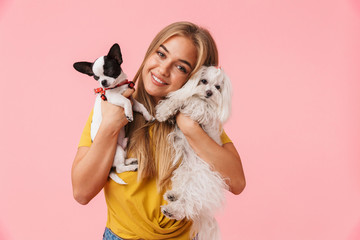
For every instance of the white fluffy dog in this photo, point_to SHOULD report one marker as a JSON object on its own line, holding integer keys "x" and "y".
{"x": 113, "y": 82}
{"x": 197, "y": 191}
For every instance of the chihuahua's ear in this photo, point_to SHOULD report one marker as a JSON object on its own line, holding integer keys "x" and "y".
{"x": 84, "y": 67}
{"x": 115, "y": 53}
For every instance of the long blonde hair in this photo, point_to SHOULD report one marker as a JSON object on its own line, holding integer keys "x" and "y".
{"x": 154, "y": 152}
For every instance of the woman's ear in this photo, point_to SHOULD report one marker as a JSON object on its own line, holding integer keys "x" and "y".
{"x": 226, "y": 93}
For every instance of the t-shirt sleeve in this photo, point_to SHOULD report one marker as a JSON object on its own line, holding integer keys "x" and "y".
{"x": 85, "y": 139}
{"x": 224, "y": 138}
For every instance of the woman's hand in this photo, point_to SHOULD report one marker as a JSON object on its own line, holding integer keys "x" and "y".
{"x": 185, "y": 123}
{"x": 113, "y": 117}
{"x": 223, "y": 159}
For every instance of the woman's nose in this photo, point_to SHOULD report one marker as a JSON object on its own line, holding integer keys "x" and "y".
{"x": 164, "y": 68}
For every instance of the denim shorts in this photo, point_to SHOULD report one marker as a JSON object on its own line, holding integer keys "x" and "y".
{"x": 109, "y": 235}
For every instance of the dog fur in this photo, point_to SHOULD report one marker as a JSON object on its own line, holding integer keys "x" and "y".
{"x": 107, "y": 71}
{"x": 197, "y": 191}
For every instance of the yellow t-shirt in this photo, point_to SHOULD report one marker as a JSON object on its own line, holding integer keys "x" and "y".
{"x": 134, "y": 209}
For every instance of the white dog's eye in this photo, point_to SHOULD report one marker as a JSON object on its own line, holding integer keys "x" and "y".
{"x": 204, "y": 81}
{"x": 217, "y": 87}
{"x": 96, "y": 77}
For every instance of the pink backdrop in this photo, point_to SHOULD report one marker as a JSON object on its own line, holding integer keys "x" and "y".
{"x": 295, "y": 71}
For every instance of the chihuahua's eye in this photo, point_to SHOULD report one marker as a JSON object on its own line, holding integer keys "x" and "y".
{"x": 204, "y": 81}
{"x": 96, "y": 77}
{"x": 217, "y": 87}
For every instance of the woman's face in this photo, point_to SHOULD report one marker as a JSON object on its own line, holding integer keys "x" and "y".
{"x": 168, "y": 68}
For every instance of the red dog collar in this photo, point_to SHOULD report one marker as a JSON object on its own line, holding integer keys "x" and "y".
{"x": 101, "y": 90}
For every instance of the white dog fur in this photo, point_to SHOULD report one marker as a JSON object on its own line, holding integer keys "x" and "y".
{"x": 197, "y": 191}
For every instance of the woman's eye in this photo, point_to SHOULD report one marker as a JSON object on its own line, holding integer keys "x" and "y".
{"x": 181, "y": 68}
{"x": 217, "y": 87}
{"x": 204, "y": 81}
{"x": 160, "y": 54}
{"x": 96, "y": 77}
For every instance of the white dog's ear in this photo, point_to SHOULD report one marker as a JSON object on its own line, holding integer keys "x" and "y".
{"x": 226, "y": 94}
{"x": 197, "y": 75}
{"x": 84, "y": 67}
{"x": 187, "y": 90}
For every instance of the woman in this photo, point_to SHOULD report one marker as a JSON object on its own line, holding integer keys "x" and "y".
{"x": 134, "y": 212}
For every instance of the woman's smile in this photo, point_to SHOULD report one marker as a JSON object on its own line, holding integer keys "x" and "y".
{"x": 157, "y": 81}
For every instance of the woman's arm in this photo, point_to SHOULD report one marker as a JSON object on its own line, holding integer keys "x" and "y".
{"x": 92, "y": 164}
{"x": 224, "y": 159}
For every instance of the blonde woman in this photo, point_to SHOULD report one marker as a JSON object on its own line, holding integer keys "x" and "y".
{"x": 174, "y": 55}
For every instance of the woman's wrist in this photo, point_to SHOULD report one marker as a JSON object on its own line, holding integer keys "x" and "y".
{"x": 111, "y": 126}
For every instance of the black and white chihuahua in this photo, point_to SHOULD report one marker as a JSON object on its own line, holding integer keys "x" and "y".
{"x": 113, "y": 82}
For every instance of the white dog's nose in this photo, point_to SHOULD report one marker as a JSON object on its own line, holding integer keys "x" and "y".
{"x": 209, "y": 93}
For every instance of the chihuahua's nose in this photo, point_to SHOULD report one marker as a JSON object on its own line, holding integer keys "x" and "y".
{"x": 104, "y": 83}
{"x": 209, "y": 93}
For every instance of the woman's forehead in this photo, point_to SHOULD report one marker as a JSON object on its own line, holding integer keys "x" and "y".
{"x": 181, "y": 47}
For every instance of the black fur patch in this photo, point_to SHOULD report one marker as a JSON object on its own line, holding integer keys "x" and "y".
{"x": 111, "y": 67}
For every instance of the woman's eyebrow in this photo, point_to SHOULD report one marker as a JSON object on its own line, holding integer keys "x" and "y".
{"x": 181, "y": 60}
{"x": 165, "y": 49}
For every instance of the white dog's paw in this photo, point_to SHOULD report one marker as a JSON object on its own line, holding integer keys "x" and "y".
{"x": 160, "y": 117}
{"x": 171, "y": 196}
{"x": 172, "y": 211}
{"x": 167, "y": 117}
{"x": 163, "y": 112}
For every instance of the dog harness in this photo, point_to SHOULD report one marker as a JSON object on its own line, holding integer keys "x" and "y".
{"x": 101, "y": 90}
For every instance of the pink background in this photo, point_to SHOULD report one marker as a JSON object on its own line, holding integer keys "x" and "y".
{"x": 295, "y": 71}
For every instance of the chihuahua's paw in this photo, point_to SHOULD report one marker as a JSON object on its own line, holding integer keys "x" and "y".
{"x": 148, "y": 117}
{"x": 127, "y": 168}
{"x": 131, "y": 161}
{"x": 129, "y": 118}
